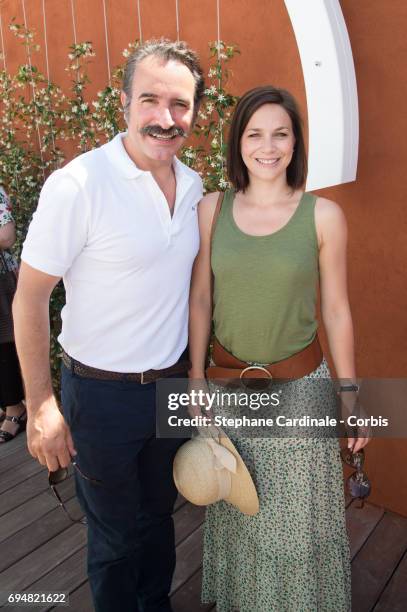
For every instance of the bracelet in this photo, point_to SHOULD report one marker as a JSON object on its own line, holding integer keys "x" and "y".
{"x": 354, "y": 388}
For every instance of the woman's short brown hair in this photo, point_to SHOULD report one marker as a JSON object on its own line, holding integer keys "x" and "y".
{"x": 248, "y": 104}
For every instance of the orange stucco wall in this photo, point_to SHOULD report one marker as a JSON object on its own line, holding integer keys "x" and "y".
{"x": 374, "y": 204}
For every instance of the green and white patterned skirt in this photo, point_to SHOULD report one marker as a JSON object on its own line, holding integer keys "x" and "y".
{"x": 293, "y": 556}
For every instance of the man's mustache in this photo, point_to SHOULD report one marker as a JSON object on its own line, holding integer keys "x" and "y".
{"x": 156, "y": 130}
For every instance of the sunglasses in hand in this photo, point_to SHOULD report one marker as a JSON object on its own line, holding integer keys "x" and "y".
{"x": 358, "y": 484}
{"x": 55, "y": 478}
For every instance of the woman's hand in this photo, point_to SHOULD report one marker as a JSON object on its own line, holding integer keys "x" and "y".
{"x": 359, "y": 434}
{"x": 355, "y": 444}
{"x": 201, "y": 405}
{"x": 198, "y": 391}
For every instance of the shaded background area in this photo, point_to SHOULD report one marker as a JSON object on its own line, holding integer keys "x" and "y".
{"x": 374, "y": 205}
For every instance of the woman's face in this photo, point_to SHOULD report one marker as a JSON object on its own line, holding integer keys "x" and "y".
{"x": 267, "y": 143}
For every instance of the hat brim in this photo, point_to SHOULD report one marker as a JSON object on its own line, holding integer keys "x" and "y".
{"x": 243, "y": 494}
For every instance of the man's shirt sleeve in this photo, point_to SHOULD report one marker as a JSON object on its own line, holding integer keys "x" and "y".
{"x": 59, "y": 229}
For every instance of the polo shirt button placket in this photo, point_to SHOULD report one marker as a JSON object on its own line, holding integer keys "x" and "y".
{"x": 123, "y": 231}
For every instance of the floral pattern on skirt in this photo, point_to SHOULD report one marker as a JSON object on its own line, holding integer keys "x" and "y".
{"x": 293, "y": 556}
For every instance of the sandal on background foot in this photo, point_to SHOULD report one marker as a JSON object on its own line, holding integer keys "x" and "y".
{"x": 21, "y": 421}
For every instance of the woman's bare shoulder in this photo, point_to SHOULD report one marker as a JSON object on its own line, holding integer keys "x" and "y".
{"x": 207, "y": 206}
{"x": 329, "y": 218}
{"x": 328, "y": 208}
{"x": 328, "y": 211}
{"x": 209, "y": 200}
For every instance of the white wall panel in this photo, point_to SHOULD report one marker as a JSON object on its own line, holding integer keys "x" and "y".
{"x": 330, "y": 84}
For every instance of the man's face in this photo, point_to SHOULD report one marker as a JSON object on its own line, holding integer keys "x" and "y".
{"x": 161, "y": 111}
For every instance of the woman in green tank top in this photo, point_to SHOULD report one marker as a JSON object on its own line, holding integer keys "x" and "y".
{"x": 272, "y": 246}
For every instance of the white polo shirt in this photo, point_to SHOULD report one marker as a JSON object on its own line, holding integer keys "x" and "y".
{"x": 105, "y": 226}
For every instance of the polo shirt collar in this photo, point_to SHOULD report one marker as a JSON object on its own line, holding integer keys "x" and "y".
{"x": 119, "y": 157}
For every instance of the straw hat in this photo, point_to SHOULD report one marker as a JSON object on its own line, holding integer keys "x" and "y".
{"x": 208, "y": 470}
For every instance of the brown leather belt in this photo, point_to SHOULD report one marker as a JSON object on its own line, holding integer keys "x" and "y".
{"x": 144, "y": 378}
{"x": 230, "y": 369}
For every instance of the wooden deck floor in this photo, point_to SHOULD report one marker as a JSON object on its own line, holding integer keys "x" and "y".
{"x": 40, "y": 550}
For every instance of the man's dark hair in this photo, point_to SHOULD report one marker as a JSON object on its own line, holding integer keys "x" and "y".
{"x": 246, "y": 107}
{"x": 167, "y": 50}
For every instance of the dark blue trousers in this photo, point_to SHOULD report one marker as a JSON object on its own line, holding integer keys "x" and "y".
{"x": 131, "y": 552}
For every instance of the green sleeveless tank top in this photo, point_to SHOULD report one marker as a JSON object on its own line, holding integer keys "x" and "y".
{"x": 265, "y": 287}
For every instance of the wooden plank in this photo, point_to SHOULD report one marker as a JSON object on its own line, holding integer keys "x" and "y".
{"x": 13, "y": 459}
{"x": 23, "y": 492}
{"x": 64, "y": 578}
{"x": 30, "y": 488}
{"x": 25, "y": 572}
{"x": 348, "y": 499}
{"x": 20, "y": 473}
{"x": 394, "y": 596}
{"x": 189, "y": 559}
{"x": 80, "y": 600}
{"x": 185, "y": 599}
{"x": 360, "y": 524}
{"x": 375, "y": 562}
{"x": 26, "y": 514}
{"x": 186, "y": 520}
{"x": 179, "y": 502}
{"x": 188, "y": 596}
{"x": 33, "y": 510}
{"x": 8, "y": 448}
{"x": 35, "y": 535}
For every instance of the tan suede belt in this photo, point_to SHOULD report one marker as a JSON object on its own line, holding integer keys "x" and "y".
{"x": 229, "y": 368}
{"x": 181, "y": 368}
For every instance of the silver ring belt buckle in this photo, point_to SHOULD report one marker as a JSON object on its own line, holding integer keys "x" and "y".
{"x": 255, "y": 367}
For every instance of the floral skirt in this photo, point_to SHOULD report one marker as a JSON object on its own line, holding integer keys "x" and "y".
{"x": 293, "y": 556}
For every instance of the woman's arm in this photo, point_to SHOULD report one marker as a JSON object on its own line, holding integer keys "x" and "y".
{"x": 7, "y": 235}
{"x": 335, "y": 309}
{"x": 200, "y": 299}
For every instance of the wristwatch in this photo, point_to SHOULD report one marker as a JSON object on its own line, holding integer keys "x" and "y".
{"x": 355, "y": 388}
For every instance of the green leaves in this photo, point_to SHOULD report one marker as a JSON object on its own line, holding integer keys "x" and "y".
{"x": 208, "y": 157}
{"x": 39, "y": 122}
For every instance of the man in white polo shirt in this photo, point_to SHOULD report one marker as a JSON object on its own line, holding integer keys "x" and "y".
{"x": 119, "y": 225}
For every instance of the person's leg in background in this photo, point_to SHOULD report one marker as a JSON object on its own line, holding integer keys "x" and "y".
{"x": 12, "y": 410}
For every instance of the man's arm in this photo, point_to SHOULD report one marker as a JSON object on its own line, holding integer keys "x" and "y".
{"x": 48, "y": 437}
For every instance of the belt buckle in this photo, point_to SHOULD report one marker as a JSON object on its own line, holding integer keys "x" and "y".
{"x": 255, "y": 366}
{"x": 142, "y": 381}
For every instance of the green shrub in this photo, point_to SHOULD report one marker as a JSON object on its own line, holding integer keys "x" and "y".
{"x": 37, "y": 119}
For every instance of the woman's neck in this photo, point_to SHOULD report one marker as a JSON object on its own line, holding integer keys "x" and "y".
{"x": 267, "y": 193}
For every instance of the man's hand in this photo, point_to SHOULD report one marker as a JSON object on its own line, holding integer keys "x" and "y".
{"x": 48, "y": 436}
